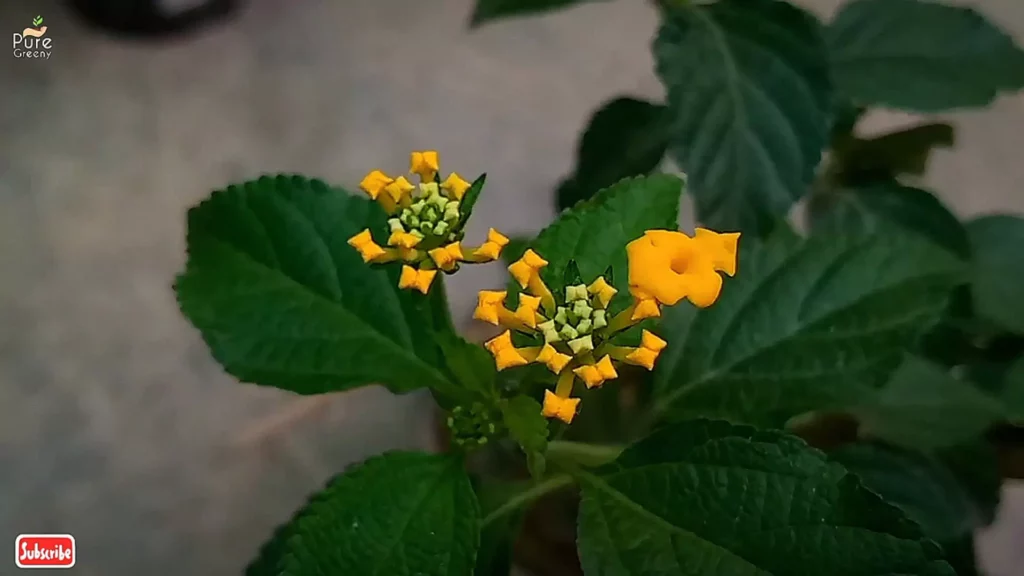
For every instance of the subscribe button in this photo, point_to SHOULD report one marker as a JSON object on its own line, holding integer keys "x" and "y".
{"x": 44, "y": 551}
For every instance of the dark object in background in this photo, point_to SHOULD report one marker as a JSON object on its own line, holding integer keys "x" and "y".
{"x": 152, "y": 19}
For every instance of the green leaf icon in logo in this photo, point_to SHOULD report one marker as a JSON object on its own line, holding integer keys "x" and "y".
{"x": 37, "y": 20}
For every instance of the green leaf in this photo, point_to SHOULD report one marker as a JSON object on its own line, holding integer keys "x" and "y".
{"x": 919, "y": 485}
{"x": 924, "y": 407}
{"x": 874, "y": 207}
{"x": 706, "y": 497}
{"x": 805, "y": 325}
{"x": 469, "y": 199}
{"x": 866, "y": 161}
{"x": 487, "y": 10}
{"x": 282, "y": 299}
{"x": 749, "y": 101}
{"x": 471, "y": 366}
{"x": 595, "y": 233}
{"x": 625, "y": 137}
{"x": 529, "y": 429}
{"x": 399, "y": 513}
{"x": 976, "y": 468}
{"x": 921, "y": 56}
{"x": 498, "y": 537}
{"x": 997, "y": 271}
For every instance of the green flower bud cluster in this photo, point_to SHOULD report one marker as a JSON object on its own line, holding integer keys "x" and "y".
{"x": 473, "y": 426}
{"x": 431, "y": 214}
{"x": 575, "y": 322}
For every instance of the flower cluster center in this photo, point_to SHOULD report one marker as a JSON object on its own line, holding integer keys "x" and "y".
{"x": 431, "y": 213}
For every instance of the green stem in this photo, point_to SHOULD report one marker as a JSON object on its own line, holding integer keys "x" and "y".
{"x": 582, "y": 453}
{"x": 526, "y": 496}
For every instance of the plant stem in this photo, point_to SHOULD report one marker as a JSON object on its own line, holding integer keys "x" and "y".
{"x": 527, "y": 496}
{"x": 582, "y": 453}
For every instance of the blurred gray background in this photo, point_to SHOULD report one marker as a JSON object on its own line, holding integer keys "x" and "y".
{"x": 115, "y": 424}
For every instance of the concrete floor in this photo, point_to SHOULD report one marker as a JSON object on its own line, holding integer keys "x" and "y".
{"x": 115, "y": 424}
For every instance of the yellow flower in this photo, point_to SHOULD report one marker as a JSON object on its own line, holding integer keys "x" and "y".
{"x": 447, "y": 256}
{"x": 668, "y": 266}
{"x": 399, "y": 189}
{"x": 650, "y": 347}
{"x": 491, "y": 249}
{"x": 368, "y": 249}
{"x": 418, "y": 279}
{"x": 602, "y": 291}
{"x": 553, "y": 359}
{"x": 488, "y": 303}
{"x": 719, "y": 247}
{"x": 404, "y": 239}
{"x": 596, "y": 374}
{"x": 425, "y": 164}
{"x": 374, "y": 182}
{"x": 527, "y": 267}
{"x": 645, "y": 308}
{"x": 557, "y": 407}
{"x": 526, "y": 312}
{"x": 505, "y": 354}
{"x": 455, "y": 185}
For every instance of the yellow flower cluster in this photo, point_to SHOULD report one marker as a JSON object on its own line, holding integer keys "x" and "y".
{"x": 425, "y": 226}
{"x": 572, "y": 330}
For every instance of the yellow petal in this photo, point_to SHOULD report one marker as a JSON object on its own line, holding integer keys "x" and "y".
{"x": 606, "y": 369}
{"x": 642, "y": 357}
{"x": 533, "y": 260}
{"x": 455, "y": 185}
{"x": 455, "y": 251}
{"x": 720, "y": 247}
{"x": 488, "y": 251}
{"x": 499, "y": 342}
{"x": 424, "y": 278}
{"x": 408, "y": 277}
{"x": 602, "y": 290}
{"x": 526, "y": 312}
{"x": 487, "y": 305}
{"x": 399, "y": 188}
{"x": 404, "y": 239}
{"x": 441, "y": 257}
{"x": 374, "y": 182}
{"x": 590, "y": 375}
{"x": 553, "y": 359}
{"x": 496, "y": 237}
{"x": 645, "y": 308}
{"x": 425, "y": 164}
{"x": 557, "y": 407}
{"x": 650, "y": 341}
{"x": 361, "y": 239}
{"x": 509, "y": 358}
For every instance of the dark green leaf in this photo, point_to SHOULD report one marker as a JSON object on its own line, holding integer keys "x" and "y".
{"x": 921, "y": 56}
{"x": 873, "y": 208}
{"x": 517, "y": 246}
{"x": 529, "y": 429}
{"x": 997, "y": 274}
{"x": 924, "y": 407}
{"x": 919, "y": 485}
{"x": 469, "y": 199}
{"x": 705, "y": 497}
{"x": 595, "y": 232}
{"x": 1012, "y": 393}
{"x": 976, "y": 468}
{"x": 805, "y": 325}
{"x": 866, "y": 161}
{"x": 497, "y": 538}
{"x": 572, "y": 275}
{"x": 487, "y": 10}
{"x": 400, "y": 513}
{"x": 749, "y": 101}
{"x": 961, "y": 556}
{"x": 626, "y": 137}
{"x": 282, "y": 299}
{"x": 471, "y": 365}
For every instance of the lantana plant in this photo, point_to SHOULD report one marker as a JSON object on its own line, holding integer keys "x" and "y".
{"x": 763, "y": 395}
